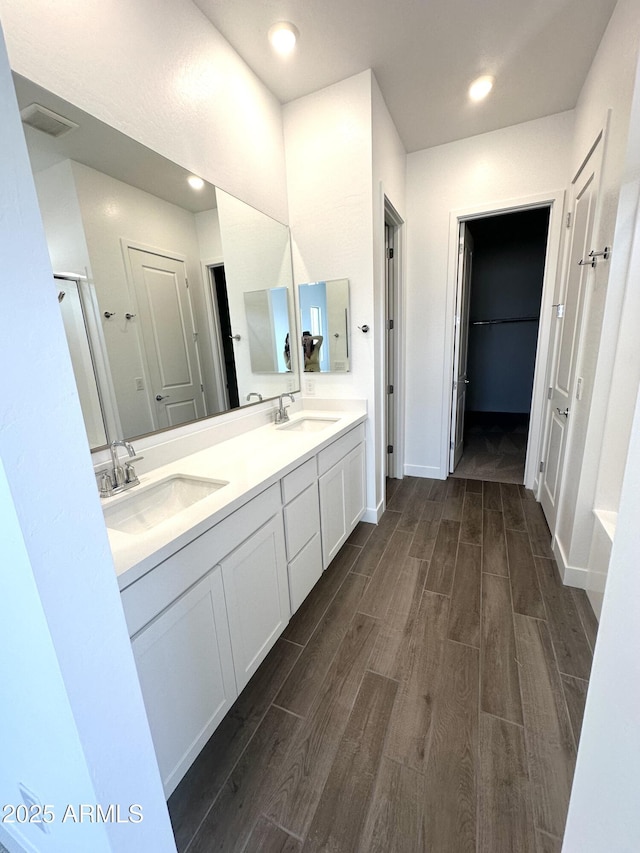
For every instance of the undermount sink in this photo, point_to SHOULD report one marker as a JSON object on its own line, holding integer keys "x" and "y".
{"x": 148, "y": 506}
{"x": 309, "y": 423}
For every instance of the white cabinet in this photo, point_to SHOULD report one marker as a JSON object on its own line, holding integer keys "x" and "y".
{"x": 342, "y": 491}
{"x": 257, "y": 596}
{"x": 203, "y": 620}
{"x": 186, "y": 673}
{"x": 302, "y": 531}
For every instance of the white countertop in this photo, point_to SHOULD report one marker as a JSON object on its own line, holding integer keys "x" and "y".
{"x": 250, "y": 462}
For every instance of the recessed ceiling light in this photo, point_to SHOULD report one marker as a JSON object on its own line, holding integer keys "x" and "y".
{"x": 480, "y": 88}
{"x": 283, "y": 37}
{"x": 194, "y": 182}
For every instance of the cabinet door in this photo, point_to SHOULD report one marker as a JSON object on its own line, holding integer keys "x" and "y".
{"x": 354, "y": 487}
{"x": 186, "y": 673}
{"x": 332, "y": 511}
{"x": 305, "y": 571}
{"x": 257, "y": 594}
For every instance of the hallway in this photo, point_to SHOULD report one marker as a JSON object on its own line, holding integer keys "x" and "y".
{"x": 428, "y": 695}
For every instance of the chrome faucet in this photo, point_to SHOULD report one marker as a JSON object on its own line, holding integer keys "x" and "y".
{"x": 254, "y": 394}
{"x": 282, "y": 415}
{"x": 120, "y": 477}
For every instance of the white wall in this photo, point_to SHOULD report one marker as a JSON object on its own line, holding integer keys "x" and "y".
{"x": 28, "y": 721}
{"x": 209, "y": 240}
{"x": 494, "y": 168}
{"x": 329, "y": 174}
{"x": 46, "y": 462}
{"x": 164, "y": 76}
{"x": 257, "y": 255}
{"x": 603, "y": 811}
{"x": 389, "y": 166}
{"x": 58, "y": 201}
{"x": 609, "y": 86}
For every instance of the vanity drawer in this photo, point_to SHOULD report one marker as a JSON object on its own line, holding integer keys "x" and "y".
{"x": 301, "y": 520}
{"x": 328, "y": 457}
{"x": 299, "y": 479}
{"x": 147, "y": 597}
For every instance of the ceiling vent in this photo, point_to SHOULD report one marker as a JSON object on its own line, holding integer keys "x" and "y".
{"x": 47, "y": 121}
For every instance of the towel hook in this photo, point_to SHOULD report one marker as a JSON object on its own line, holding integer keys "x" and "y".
{"x": 592, "y": 257}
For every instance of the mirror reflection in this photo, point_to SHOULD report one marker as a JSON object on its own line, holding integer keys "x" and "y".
{"x": 324, "y": 319}
{"x": 177, "y": 297}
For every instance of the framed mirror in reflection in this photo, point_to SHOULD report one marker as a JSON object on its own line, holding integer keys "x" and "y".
{"x": 324, "y": 320}
{"x": 159, "y": 274}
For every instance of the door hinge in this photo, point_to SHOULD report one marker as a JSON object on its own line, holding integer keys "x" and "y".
{"x": 451, "y": 445}
{"x": 549, "y": 393}
{"x": 389, "y": 254}
{"x": 202, "y": 387}
{"x": 186, "y": 281}
{"x": 559, "y": 306}
{"x": 460, "y": 247}
{"x": 541, "y": 466}
{"x": 569, "y": 219}
{"x": 389, "y": 389}
{"x": 389, "y": 325}
{"x": 389, "y": 448}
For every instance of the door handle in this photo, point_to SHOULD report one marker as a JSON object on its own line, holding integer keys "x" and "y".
{"x": 564, "y": 413}
{"x": 466, "y": 381}
{"x": 160, "y": 397}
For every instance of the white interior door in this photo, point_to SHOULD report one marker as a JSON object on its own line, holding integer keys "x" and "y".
{"x": 168, "y": 335}
{"x": 574, "y": 281}
{"x": 461, "y": 338}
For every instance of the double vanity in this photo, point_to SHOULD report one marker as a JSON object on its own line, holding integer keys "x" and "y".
{"x": 215, "y": 551}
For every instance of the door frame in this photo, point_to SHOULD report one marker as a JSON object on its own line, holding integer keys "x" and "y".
{"x": 395, "y": 223}
{"x": 213, "y": 330}
{"x": 555, "y": 201}
{"x": 461, "y": 341}
{"x": 98, "y": 349}
{"x": 598, "y": 146}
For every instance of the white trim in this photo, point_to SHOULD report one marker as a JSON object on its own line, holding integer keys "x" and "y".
{"x": 99, "y": 354}
{"x": 429, "y": 471}
{"x": 599, "y": 140}
{"x": 213, "y": 331}
{"x": 373, "y": 515}
{"x": 555, "y": 201}
{"x": 15, "y": 845}
{"x": 571, "y": 575}
{"x": 391, "y": 215}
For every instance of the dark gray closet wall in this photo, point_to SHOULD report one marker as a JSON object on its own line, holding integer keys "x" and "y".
{"x": 506, "y": 282}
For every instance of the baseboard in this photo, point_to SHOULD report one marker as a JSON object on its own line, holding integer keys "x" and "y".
{"x": 571, "y": 575}
{"x": 13, "y": 845}
{"x": 429, "y": 471}
{"x": 372, "y": 515}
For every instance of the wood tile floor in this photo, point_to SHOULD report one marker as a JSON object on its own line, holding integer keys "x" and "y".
{"x": 427, "y": 696}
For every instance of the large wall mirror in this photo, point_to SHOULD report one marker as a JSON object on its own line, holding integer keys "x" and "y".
{"x": 324, "y": 321}
{"x": 177, "y": 298}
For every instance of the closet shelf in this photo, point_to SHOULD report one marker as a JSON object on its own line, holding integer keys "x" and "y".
{"x": 533, "y": 319}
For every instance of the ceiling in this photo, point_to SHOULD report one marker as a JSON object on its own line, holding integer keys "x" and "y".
{"x": 424, "y": 54}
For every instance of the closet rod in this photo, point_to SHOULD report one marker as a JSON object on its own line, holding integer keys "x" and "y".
{"x": 504, "y": 320}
